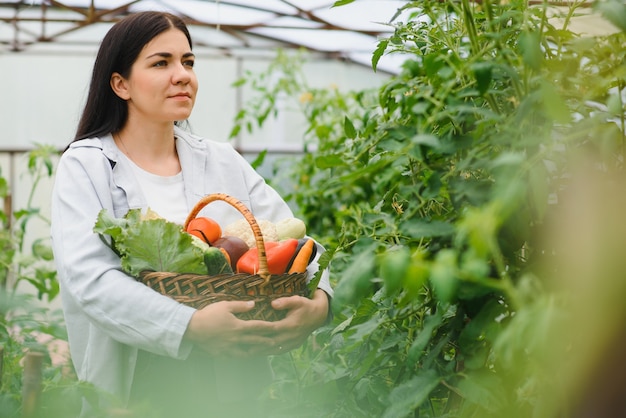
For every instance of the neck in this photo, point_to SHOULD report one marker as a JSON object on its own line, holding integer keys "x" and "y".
{"x": 152, "y": 150}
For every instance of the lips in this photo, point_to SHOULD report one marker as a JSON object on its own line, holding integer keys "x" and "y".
{"x": 181, "y": 95}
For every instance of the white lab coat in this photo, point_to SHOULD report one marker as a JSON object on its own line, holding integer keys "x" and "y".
{"x": 109, "y": 315}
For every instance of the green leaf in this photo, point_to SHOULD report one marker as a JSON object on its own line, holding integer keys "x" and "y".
{"x": 508, "y": 159}
{"x": 378, "y": 52}
{"x": 4, "y": 187}
{"x": 416, "y": 276}
{"x": 239, "y": 82}
{"x": 348, "y": 128}
{"x": 151, "y": 244}
{"x": 476, "y": 338}
{"x": 159, "y": 245}
{"x": 421, "y": 108}
{"x": 444, "y": 275}
{"x": 424, "y": 229}
{"x": 394, "y": 264}
{"x": 433, "y": 63}
{"x": 483, "y": 388}
{"x": 483, "y": 73}
{"x": 530, "y": 48}
{"x": 107, "y": 225}
{"x": 356, "y": 279}
{"x": 614, "y": 104}
{"x": 329, "y": 161}
{"x": 540, "y": 193}
{"x": 42, "y": 250}
{"x": 341, "y": 3}
{"x": 375, "y": 165}
{"x": 258, "y": 161}
{"x": 324, "y": 262}
{"x": 553, "y": 103}
{"x": 407, "y": 396}
{"x": 424, "y": 336}
{"x": 428, "y": 140}
{"x": 235, "y": 131}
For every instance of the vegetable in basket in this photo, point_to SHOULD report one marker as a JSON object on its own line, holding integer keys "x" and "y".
{"x": 241, "y": 229}
{"x": 278, "y": 255}
{"x": 235, "y": 247}
{"x": 290, "y": 228}
{"x": 305, "y": 253}
{"x": 272, "y": 231}
{"x": 149, "y": 243}
{"x": 207, "y": 229}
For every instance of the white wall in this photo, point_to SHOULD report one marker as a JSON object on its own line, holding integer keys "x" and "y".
{"x": 43, "y": 93}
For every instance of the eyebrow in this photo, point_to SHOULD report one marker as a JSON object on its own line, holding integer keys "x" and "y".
{"x": 169, "y": 55}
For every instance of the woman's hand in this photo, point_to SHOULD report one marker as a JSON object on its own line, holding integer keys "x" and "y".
{"x": 216, "y": 330}
{"x": 303, "y": 317}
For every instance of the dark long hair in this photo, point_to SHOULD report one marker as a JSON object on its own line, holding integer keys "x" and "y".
{"x": 104, "y": 111}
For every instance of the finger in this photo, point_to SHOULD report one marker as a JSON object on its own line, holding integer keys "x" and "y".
{"x": 240, "y": 306}
{"x": 258, "y": 328}
{"x": 288, "y": 302}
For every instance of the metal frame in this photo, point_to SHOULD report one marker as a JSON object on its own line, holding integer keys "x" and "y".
{"x": 90, "y": 15}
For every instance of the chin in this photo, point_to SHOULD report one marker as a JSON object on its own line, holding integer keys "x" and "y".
{"x": 180, "y": 116}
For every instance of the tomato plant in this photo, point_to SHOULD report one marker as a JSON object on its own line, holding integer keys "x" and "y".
{"x": 27, "y": 284}
{"x": 434, "y": 194}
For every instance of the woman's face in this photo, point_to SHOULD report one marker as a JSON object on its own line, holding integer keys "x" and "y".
{"x": 162, "y": 85}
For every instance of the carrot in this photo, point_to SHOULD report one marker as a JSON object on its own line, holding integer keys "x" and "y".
{"x": 301, "y": 261}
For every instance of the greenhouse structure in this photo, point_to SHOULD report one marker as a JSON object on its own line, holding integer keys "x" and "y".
{"x": 459, "y": 163}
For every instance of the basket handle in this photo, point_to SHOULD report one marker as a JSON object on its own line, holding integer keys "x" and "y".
{"x": 256, "y": 229}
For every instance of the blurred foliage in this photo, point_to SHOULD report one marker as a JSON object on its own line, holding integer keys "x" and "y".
{"x": 27, "y": 287}
{"x": 441, "y": 197}
{"x": 27, "y": 259}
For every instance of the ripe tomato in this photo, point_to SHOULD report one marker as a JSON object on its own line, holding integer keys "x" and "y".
{"x": 206, "y": 229}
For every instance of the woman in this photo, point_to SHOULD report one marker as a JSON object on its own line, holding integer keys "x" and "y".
{"x": 128, "y": 153}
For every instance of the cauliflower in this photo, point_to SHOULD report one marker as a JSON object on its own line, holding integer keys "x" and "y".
{"x": 241, "y": 229}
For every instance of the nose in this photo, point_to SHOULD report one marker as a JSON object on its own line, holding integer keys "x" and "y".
{"x": 181, "y": 75}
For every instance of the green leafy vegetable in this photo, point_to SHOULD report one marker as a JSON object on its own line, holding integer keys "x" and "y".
{"x": 155, "y": 244}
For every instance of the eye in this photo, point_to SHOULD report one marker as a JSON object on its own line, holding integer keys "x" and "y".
{"x": 161, "y": 63}
{"x": 189, "y": 63}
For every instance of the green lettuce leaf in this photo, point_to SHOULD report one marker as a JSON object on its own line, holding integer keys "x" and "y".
{"x": 151, "y": 243}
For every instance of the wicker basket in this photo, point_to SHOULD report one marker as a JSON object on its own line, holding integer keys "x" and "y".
{"x": 199, "y": 291}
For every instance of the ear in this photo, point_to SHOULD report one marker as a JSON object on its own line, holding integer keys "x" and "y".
{"x": 119, "y": 86}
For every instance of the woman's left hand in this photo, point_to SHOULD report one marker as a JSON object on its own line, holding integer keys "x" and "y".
{"x": 304, "y": 316}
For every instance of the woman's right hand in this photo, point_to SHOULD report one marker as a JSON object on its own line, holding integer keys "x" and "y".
{"x": 216, "y": 330}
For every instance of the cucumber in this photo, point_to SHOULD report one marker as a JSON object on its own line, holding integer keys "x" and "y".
{"x": 216, "y": 263}
{"x": 214, "y": 260}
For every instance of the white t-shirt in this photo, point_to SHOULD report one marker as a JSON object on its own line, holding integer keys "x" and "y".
{"x": 165, "y": 194}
